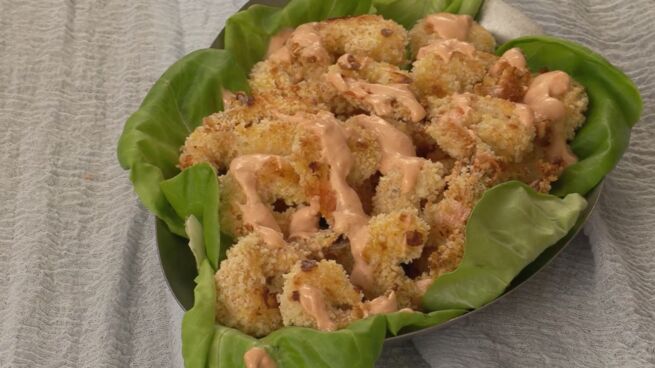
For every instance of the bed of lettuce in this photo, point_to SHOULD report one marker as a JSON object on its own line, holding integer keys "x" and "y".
{"x": 507, "y": 230}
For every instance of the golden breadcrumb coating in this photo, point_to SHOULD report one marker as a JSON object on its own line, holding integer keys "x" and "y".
{"x": 339, "y": 298}
{"x": 467, "y": 182}
{"x": 422, "y": 35}
{"x": 395, "y": 238}
{"x": 307, "y": 159}
{"x": 576, "y": 102}
{"x": 248, "y": 282}
{"x": 447, "y": 218}
{"x": 505, "y": 81}
{"x": 366, "y": 35}
{"x": 358, "y": 82}
{"x": 390, "y": 197}
{"x": 318, "y": 245}
{"x": 535, "y": 170}
{"x": 467, "y": 125}
{"x": 282, "y": 189}
{"x": 434, "y": 76}
{"x": 447, "y": 255}
{"x": 366, "y": 68}
{"x": 247, "y": 129}
{"x": 302, "y": 87}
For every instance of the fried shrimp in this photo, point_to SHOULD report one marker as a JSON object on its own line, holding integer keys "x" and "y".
{"x": 294, "y": 65}
{"x": 467, "y": 126}
{"x": 395, "y": 238}
{"x": 445, "y": 67}
{"x": 319, "y": 295}
{"x": 443, "y": 26}
{"x": 307, "y": 156}
{"x": 508, "y": 78}
{"x": 281, "y": 191}
{"x": 375, "y": 87}
{"x": 242, "y": 130}
{"x": 575, "y": 102}
{"x": 248, "y": 300}
{"x": 366, "y": 35}
{"x": 347, "y": 181}
{"x": 390, "y": 197}
{"x": 447, "y": 218}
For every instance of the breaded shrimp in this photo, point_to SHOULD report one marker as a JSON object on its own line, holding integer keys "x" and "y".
{"x": 576, "y": 102}
{"x": 365, "y": 35}
{"x": 375, "y": 87}
{"x": 292, "y": 72}
{"x": 467, "y": 182}
{"x": 365, "y": 68}
{"x": 319, "y": 295}
{"x": 248, "y": 282}
{"x": 558, "y": 103}
{"x": 535, "y": 170}
{"x": 282, "y": 189}
{"x": 390, "y": 197}
{"x": 308, "y": 161}
{"x": 468, "y": 126}
{"x": 436, "y": 26}
{"x": 447, "y": 218}
{"x": 250, "y": 128}
{"x": 296, "y": 84}
{"x": 395, "y": 238}
{"x": 447, "y": 256}
{"x": 447, "y": 67}
{"x": 508, "y": 78}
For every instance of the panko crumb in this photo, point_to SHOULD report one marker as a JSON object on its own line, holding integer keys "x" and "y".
{"x": 390, "y": 197}
{"x": 356, "y": 81}
{"x": 467, "y": 125}
{"x": 245, "y": 129}
{"x": 338, "y": 301}
{"x": 460, "y": 72}
{"x": 423, "y": 34}
{"x": 366, "y": 35}
{"x": 280, "y": 192}
{"x": 504, "y": 81}
{"x": 307, "y": 158}
{"x": 395, "y": 239}
{"x": 248, "y": 300}
{"x": 576, "y": 102}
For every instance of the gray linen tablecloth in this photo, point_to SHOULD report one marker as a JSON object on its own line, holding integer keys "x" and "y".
{"x": 80, "y": 282}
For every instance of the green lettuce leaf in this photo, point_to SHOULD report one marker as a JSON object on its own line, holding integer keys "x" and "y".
{"x": 149, "y": 146}
{"x": 195, "y": 192}
{"x": 358, "y": 345}
{"x": 614, "y": 107}
{"x": 193, "y": 228}
{"x": 508, "y": 228}
{"x": 198, "y": 322}
{"x": 408, "y": 12}
{"x": 229, "y": 346}
{"x": 410, "y": 321}
{"x": 247, "y": 32}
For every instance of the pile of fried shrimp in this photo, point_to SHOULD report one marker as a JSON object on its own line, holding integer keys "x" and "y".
{"x": 349, "y": 171}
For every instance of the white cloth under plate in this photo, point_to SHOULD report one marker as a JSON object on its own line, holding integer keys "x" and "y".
{"x": 80, "y": 282}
